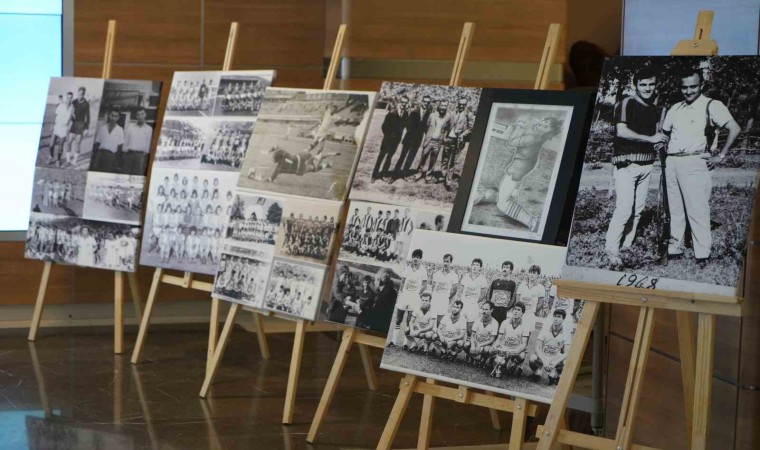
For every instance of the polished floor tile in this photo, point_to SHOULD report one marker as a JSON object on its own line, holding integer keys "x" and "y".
{"x": 68, "y": 391}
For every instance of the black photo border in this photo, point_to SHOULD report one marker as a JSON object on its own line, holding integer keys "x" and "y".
{"x": 560, "y": 213}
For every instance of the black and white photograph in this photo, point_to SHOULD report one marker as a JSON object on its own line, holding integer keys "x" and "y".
{"x": 306, "y": 142}
{"x": 380, "y": 234}
{"x": 115, "y": 198}
{"x": 669, "y": 176}
{"x": 70, "y": 123}
{"x": 482, "y": 313}
{"x": 294, "y": 288}
{"x": 191, "y": 143}
{"x": 240, "y": 95}
{"x": 60, "y": 192}
{"x": 125, "y": 122}
{"x": 241, "y": 276}
{"x": 80, "y": 242}
{"x": 416, "y": 145}
{"x": 254, "y": 222}
{"x": 307, "y": 230}
{"x": 362, "y": 296}
{"x": 186, "y": 218}
{"x": 192, "y": 94}
{"x": 522, "y": 161}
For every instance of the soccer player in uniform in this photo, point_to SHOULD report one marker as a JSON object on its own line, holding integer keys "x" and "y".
{"x": 502, "y": 292}
{"x": 474, "y": 287}
{"x": 552, "y": 347}
{"x": 530, "y": 294}
{"x": 444, "y": 287}
{"x": 510, "y": 347}
{"x": 80, "y": 123}
{"x": 452, "y": 332}
{"x": 421, "y": 330}
{"x": 484, "y": 333}
{"x": 63, "y": 113}
{"x": 415, "y": 282}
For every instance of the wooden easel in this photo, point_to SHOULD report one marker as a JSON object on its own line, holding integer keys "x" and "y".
{"x": 301, "y": 324}
{"x": 118, "y": 323}
{"x": 520, "y": 408}
{"x": 187, "y": 281}
{"x": 696, "y": 370}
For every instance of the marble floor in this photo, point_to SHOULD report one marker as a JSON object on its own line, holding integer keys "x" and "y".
{"x": 68, "y": 391}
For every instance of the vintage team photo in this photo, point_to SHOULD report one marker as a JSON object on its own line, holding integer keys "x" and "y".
{"x": 70, "y": 123}
{"x": 85, "y": 243}
{"x": 186, "y": 217}
{"x": 192, "y": 143}
{"x": 307, "y": 230}
{"x": 416, "y": 145}
{"x": 362, "y": 296}
{"x": 59, "y": 192}
{"x": 125, "y": 121}
{"x": 115, "y": 198}
{"x": 254, "y": 221}
{"x": 683, "y": 227}
{"x": 192, "y": 94}
{"x": 380, "y": 234}
{"x": 482, "y": 313}
{"x": 306, "y": 142}
{"x": 240, "y": 95}
{"x": 517, "y": 170}
{"x": 241, "y": 276}
{"x": 294, "y": 288}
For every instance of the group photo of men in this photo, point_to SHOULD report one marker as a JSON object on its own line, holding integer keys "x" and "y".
{"x": 192, "y": 92}
{"x": 416, "y": 144}
{"x": 179, "y": 141}
{"x": 307, "y": 236}
{"x": 241, "y": 278}
{"x": 114, "y": 198}
{"x": 294, "y": 289}
{"x": 59, "y": 192}
{"x": 673, "y": 181}
{"x": 226, "y": 144}
{"x": 240, "y": 96}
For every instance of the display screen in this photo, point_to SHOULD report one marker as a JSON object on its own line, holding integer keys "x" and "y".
{"x": 31, "y": 49}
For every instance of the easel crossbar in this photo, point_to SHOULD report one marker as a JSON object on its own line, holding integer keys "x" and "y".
{"x": 194, "y": 284}
{"x": 370, "y": 340}
{"x": 472, "y": 398}
{"x": 590, "y": 442}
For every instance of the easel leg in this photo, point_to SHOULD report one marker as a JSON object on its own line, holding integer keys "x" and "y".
{"x": 495, "y": 422}
{"x": 700, "y": 430}
{"x": 261, "y": 336}
{"x": 134, "y": 290}
{"x": 397, "y": 413}
{"x": 118, "y": 385}
{"x": 569, "y": 374}
{"x": 40, "y": 303}
{"x": 686, "y": 351}
{"x": 295, "y": 370}
{"x": 213, "y": 332}
{"x": 145, "y": 322}
{"x": 519, "y": 420}
{"x": 219, "y": 350}
{"x": 332, "y": 382}
{"x": 635, "y": 380}
{"x": 154, "y": 443}
{"x": 40, "y": 377}
{"x": 369, "y": 369}
{"x": 118, "y": 313}
{"x": 426, "y": 421}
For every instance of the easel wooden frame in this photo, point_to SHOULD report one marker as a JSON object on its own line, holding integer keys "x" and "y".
{"x": 520, "y": 408}
{"x": 696, "y": 370}
{"x": 301, "y": 324}
{"x": 187, "y": 280}
{"x": 118, "y": 323}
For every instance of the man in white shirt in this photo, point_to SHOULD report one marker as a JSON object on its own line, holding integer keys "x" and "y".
{"x": 86, "y": 248}
{"x": 137, "y": 142}
{"x": 415, "y": 279}
{"x": 484, "y": 333}
{"x": 530, "y": 294}
{"x": 108, "y": 142}
{"x": 444, "y": 287}
{"x": 63, "y": 112}
{"x": 510, "y": 348}
{"x": 432, "y": 141}
{"x": 452, "y": 329}
{"x": 688, "y": 164}
{"x": 421, "y": 328}
{"x": 552, "y": 348}
{"x": 474, "y": 289}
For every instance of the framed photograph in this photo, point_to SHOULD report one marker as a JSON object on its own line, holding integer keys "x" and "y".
{"x": 294, "y": 288}
{"x": 417, "y": 142}
{"x": 522, "y": 163}
{"x": 669, "y": 178}
{"x": 87, "y": 197}
{"x": 306, "y": 142}
{"x": 241, "y": 276}
{"x": 307, "y": 230}
{"x": 482, "y": 313}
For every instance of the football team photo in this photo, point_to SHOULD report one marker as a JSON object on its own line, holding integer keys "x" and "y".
{"x": 59, "y": 192}
{"x": 241, "y": 276}
{"x": 294, "y": 288}
{"x": 114, "y": 198}
{"x": 307, "y": 230}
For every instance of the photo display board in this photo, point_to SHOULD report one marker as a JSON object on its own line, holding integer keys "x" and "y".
{"x": 683, "y": 228}
{"x": 483, "y": 313}
{"x": 206, "y": 131}
{"x": 287, "y": 205}
{"x": 90, "y": 172}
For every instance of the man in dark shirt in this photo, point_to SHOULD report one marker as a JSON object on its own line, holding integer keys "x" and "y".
{"x": 80, "y": 123}
{"x": 633, "y": 153}
{"x": 502, "y": 292}
{"x": 393, "y": 128}
{"x": 385, "y": 302}
{"x": 415, "y": 130}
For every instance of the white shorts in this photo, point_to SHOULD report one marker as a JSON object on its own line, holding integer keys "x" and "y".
{"x": 471, "y": 311}
{"x": 440, "y": 305}
{"x": 407, "y": 301}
